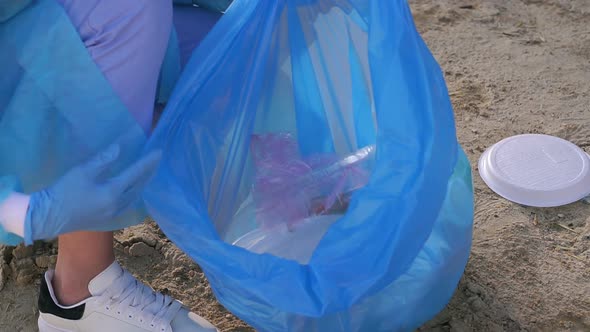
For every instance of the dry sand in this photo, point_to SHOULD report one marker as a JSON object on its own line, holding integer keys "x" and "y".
{"x": 512, "y": 67}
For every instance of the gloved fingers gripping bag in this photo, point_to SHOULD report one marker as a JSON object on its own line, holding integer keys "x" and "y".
{"x": 339, "y": 76}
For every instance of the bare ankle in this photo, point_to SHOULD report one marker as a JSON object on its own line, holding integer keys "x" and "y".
{"x": 69, "y": 291}
{"x": 81, "y": 257}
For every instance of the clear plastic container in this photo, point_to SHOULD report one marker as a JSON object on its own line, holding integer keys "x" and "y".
{"x": 294, "y": 200}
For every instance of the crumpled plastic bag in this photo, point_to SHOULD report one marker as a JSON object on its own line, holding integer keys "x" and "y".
{"x": 289, "y": 188}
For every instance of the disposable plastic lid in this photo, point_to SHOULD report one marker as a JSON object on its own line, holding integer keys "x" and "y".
{"x": 297, "y": 243}
{"x": 536, "y": 170}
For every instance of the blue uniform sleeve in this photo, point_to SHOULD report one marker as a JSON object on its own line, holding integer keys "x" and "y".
{"x": 11, "y": 7}
{"x": 215, "y": 5}
{"x": 8, "y": 184}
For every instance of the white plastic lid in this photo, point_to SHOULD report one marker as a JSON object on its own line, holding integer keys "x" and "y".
{"x": 297, "y": 244}
{"x": 536, "y": 170}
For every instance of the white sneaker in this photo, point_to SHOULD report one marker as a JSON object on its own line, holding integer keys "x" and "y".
{"x": 119, "y": 303}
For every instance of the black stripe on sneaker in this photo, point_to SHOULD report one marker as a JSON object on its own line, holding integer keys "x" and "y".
{"x": 47, "y": 306}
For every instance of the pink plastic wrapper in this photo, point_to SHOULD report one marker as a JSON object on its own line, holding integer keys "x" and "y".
{"x": 289, "y": 188}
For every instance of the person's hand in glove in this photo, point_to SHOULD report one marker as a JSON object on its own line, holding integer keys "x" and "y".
{"x": 85, "y": 198}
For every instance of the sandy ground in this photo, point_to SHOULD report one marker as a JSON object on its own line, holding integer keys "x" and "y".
{"x": 512, "y": 67}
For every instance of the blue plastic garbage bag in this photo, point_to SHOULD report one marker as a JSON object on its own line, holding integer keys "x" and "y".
{"x": 56, "y": 108}
{"x": 339, "y": 75}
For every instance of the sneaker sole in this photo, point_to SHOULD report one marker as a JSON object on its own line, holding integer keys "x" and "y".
{"x": 46, "y": 327}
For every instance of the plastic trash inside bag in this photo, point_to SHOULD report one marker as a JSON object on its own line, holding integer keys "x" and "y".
{"x": 294, "y": 200}
{"x": 340, "y": 75}
{"x": 289, "y": 188}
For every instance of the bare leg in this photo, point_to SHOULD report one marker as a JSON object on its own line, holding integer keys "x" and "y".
{"x": 82, "y": 256}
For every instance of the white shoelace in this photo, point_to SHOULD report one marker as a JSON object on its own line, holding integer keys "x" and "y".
{"x": 127, "y": 296}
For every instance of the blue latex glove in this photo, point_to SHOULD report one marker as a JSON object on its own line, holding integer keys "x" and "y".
{"x": 86, "y": 197}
